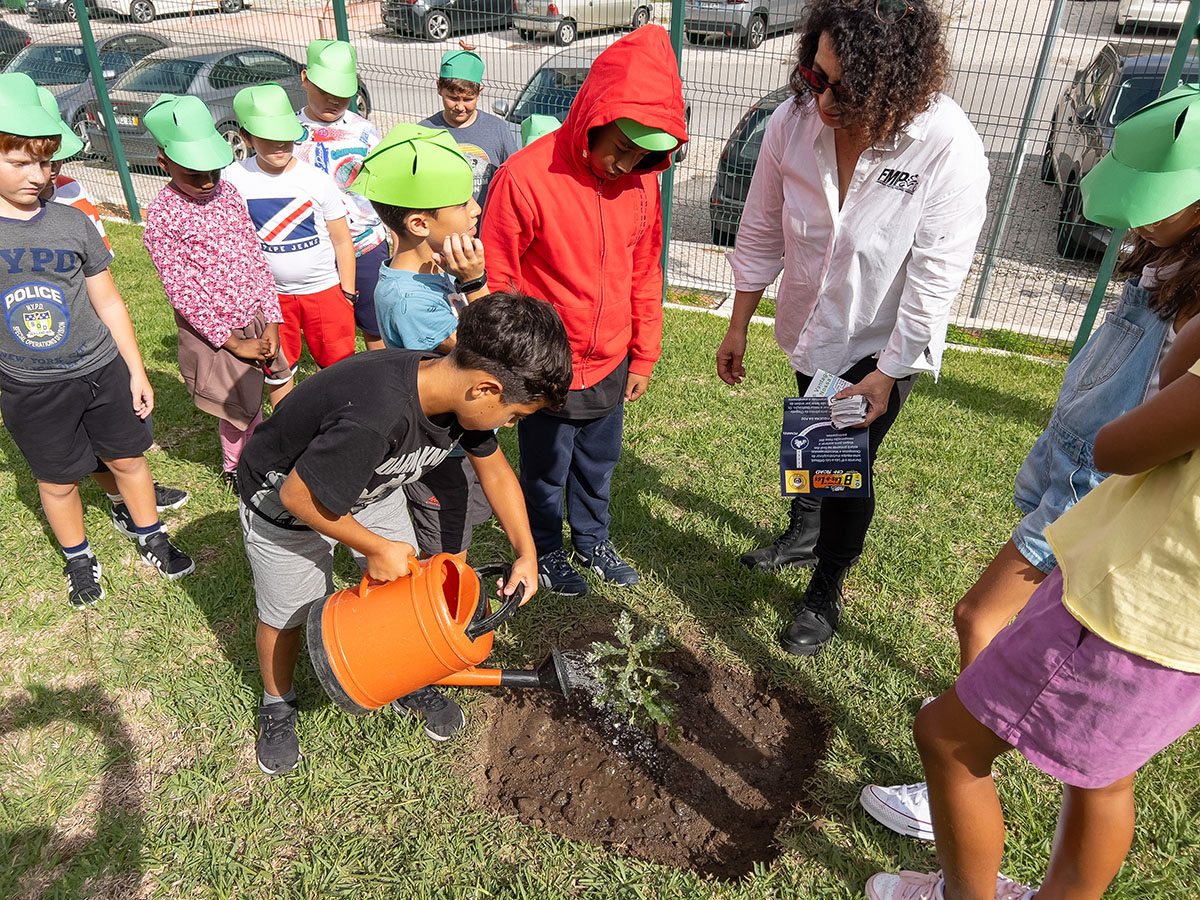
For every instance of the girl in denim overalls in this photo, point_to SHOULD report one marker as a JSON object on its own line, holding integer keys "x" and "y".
{"x": 1117, "y": 370}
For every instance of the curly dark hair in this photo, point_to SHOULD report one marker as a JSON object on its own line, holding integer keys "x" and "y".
{"x": 1178, "y": 292}
{"x": 891, "y": 72}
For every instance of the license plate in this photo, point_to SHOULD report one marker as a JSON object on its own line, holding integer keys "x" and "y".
{"x": 131, "y": 121}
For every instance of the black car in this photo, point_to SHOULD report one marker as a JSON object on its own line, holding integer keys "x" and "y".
{"x": 12, "y": 39}
{"x": 435, "y": 20}
{"x": 1119, "y": 81}
{"x": 736, "y": 166}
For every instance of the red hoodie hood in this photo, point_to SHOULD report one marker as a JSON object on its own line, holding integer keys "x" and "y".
{"x": 635, "y": 78}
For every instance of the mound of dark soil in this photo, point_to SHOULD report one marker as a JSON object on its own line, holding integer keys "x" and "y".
{"x": 711, "y": 802}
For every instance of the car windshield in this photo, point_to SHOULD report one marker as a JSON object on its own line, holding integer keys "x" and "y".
{"x": 1136, "y": 92}
{"x": 52, "y": 64}
{"x": 549, "y": 93}
{"x": 160, "y": 76}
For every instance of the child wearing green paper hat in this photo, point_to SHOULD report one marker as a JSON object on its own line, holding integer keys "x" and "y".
{"x": 72, "y": 383}
{"x": 302, "y": 227}
{"x": 1101, "y": 668}
{"x": 335, "y": 140}
{"x": 205, "y": 248}
{"x": 485, "y": 140}
{"x": 420, "y": 184}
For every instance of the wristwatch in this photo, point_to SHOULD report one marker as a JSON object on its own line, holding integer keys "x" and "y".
{"x": 469, "y": 287}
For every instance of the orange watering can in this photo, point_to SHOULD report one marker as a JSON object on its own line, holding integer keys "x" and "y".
{"x": 372, "y": 644}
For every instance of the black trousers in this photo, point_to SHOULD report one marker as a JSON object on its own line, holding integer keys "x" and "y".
{"x": 845, "y": 520}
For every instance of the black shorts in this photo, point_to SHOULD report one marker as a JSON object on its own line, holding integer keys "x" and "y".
{"x": 62, "y": 427}
{"x": 446, "y": 505}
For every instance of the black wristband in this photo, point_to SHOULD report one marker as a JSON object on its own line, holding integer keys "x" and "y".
{"x": 469, "y": 287}
{"x": 352, "y": 296}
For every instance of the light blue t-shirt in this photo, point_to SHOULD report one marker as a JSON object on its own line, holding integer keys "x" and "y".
{"x": 416, "y": 312}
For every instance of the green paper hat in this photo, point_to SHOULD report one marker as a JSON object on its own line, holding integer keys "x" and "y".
{"x": 71, "y": 144}
{"x": 535, "y": 126}
{"x": 21, "y": 111}
{"x": 462, "y": 64}
{"x": 1153, "y": 169}
{"x": 653, "y": 139}
{"x": 265, "y": 111}
{"x": 183, "y": 128}
{"x": 416, "y": 168}
{"x": 333, "y": 67}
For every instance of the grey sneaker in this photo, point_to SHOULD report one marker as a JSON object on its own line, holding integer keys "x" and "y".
{"x": 555, "y": 573}
{"x": 607, "y": 563}
{"x": 443, "y": 717}
{"x": 277, "y": 749}
{"x": 83, "y": 581}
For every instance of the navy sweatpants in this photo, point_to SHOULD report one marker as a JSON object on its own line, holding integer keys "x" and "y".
{"x": 575, "y": 455}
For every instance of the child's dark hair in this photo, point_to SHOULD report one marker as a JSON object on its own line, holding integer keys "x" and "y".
{"x": 1178, "y": 292}
{"x": 521, "y": 342}
{"x": 459, "y": 86}
{"x": 393, "y": 216}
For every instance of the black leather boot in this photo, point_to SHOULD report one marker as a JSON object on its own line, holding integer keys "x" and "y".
{"x": 794, "y": 548}
{"x": 820, "y": 615}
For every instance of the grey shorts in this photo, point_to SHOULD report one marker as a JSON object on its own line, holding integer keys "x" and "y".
{"x": 446, "y": 504}
{"x": 293, "y": 568}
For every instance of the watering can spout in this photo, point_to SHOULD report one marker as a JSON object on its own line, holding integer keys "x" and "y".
{"x": 552, "y": 674}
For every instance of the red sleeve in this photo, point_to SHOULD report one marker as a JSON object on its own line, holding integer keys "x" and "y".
{"x": 508, "y": 229}
{"x": 646, "y": 296}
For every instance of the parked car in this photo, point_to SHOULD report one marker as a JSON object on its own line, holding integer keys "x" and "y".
{"x": 567, "y": 19}
{"x": 436, "y": 20}
{"x": 736, "y": 166}
{"x": 12, "y": 39}
{"x": 746, "y": 21}
{"x": 62, "y": 67}
{"x": 213, "y": 74}
{"x": 1119, "y": 81}
{"x": 552, "y": 89}
{"x": 1149, "y": 13}
{"x": 145, "y": 11}
{"x": 51, "y": 10}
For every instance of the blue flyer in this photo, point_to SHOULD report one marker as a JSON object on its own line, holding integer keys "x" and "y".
{"x": 817, "y": 459}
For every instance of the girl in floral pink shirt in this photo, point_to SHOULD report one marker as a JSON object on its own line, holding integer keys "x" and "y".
{"x": 205, "y": 248}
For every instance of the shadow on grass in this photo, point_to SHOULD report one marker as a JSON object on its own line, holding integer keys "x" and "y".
{"x": 47, "y": 861}
{"x": 987, "y": 401}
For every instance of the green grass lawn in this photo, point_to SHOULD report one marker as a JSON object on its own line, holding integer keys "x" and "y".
{"x": 126, "y": 759}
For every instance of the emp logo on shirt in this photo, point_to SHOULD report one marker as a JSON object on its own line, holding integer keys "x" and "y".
{"x": 901, "y": 181}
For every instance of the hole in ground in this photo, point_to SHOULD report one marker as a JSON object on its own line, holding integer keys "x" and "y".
{"x": 711, "y": 802}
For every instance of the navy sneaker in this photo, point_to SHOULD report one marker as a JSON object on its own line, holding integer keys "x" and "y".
{"x": 605, "y": 562}
{"x": 442, "y": 716}
{"x": 169, "y": 498}
{"x": 83, "y": 581}
{"x": 277, "y": 748}
{"x": 556, "y": 574}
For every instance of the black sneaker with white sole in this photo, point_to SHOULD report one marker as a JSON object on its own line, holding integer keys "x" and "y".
{"x": 442, "y": 716}
{"x": 277, "y": 749}
{"x": 556, "y": 574}
{"x": 169, "y": 498}
{"x": 604, "y": 560}
{"x": 83, "y": 581}
{"x": 170, "y": 561}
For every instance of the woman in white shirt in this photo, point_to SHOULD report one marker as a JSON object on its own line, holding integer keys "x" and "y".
{"x": 869, "y": 195}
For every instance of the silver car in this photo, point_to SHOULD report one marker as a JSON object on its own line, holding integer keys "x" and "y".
{"x": 746, "y": 21}
{"x": 567, "y": 19}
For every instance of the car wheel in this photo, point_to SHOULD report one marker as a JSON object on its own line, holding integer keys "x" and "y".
{"x": 79, "y": 126}
{"x": 694, "y": 37}
{"x": 233, "y": 137}
{"x": 1048, "y": 161}
{"x": 141, "y": 11}
{"x": 231, "y": 6}
{"x": 525, "y": 34}
{"x": 566, "y": 33}
{"x": 641, "y": 16}
{"x": 69, "y": 12}
{"x": 363, "y": 101}
{"x": 436, "y": 26}
{"x": 756, "y": 33}
{"x": 1072, "y": 226}
{"x": 721, "y": 237}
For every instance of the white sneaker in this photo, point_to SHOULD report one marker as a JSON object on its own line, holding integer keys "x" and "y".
{"x": 905, "y": 886}
{"x": 1007, "y": 889}
{"x": 904, "y": 808}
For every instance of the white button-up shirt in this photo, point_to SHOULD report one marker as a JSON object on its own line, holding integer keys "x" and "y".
{"x": 878, "y": 276}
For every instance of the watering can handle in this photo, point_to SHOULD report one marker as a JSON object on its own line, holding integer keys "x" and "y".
{"x": 481, "y": 623}
{"x": 414, "y": 568}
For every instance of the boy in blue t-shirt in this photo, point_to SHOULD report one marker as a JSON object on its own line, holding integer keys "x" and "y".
{"x": 421, "y": 186}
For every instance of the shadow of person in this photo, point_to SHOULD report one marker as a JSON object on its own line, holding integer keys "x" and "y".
{"x": 44, "y": 860}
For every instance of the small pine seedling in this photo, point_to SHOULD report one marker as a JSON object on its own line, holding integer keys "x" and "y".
{"x": 630, "y": 683}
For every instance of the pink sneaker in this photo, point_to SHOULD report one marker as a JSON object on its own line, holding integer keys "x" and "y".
{"x": 1007, "y": 889}
{"x": 905, "y": 886}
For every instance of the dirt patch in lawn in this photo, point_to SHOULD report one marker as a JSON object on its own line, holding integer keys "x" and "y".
{"x": 712, "y": 802}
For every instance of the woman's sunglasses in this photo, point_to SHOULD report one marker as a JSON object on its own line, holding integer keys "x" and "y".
{"x": 889, "y": 12}
{"x": 819, "y": 84}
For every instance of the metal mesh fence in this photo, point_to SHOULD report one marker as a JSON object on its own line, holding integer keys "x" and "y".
{"x": 736, "y": 57}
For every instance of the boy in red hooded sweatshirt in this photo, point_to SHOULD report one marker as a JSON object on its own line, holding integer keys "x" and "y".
{"x": 574, "y": 218}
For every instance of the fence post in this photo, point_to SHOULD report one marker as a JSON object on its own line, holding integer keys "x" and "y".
{"x": 110, "y": 124}
{"x": 1187, "y": 33}
{"x": 668, "y": 177}
{"x": 341, "y": 25}
{"x": 1000, "y": 224}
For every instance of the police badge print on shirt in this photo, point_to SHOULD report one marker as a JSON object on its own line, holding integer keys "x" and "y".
{"x": 36, "y": 314}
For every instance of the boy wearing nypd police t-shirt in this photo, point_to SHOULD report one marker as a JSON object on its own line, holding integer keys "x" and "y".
{"x": 328, "y": 466}
{"x": 72, "y": 384}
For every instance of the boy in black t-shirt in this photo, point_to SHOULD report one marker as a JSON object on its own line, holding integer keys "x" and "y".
{"x": 327, "y": 466}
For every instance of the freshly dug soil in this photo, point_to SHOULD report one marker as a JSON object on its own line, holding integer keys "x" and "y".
{"x": 711, "y": 802}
